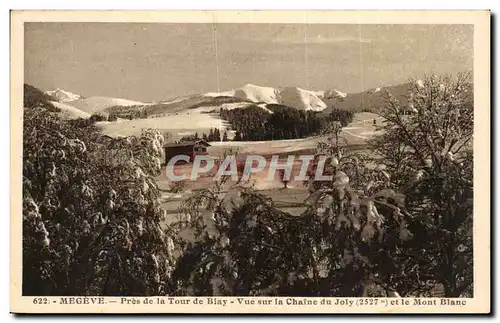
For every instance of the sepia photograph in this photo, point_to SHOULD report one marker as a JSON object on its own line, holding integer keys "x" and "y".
{"x": 243, "y": 165}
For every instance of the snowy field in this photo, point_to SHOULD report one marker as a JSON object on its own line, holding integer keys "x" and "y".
{"x": 356, "y": 133}
{"x": 178, "y": 124}
{"x": 189, "y": 122}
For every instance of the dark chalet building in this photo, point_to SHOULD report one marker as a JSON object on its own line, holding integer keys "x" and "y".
{"x": 189, "y": 148}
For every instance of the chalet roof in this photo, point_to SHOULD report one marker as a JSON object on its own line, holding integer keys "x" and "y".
{"x": 186, "y": 143}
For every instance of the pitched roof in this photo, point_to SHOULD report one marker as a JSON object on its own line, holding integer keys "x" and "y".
{"x": 186, "y": 143}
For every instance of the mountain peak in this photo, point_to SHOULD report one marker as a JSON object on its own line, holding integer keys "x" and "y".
{"x": 334, "y": 94}
{"x": 63, "y": 96}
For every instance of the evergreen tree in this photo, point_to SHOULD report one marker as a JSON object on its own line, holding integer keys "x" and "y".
{"x": 89, "y": 221}
{"x": 216, "y": 134}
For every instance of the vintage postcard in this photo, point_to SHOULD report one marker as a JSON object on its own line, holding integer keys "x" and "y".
{"x": 250, "y": 162}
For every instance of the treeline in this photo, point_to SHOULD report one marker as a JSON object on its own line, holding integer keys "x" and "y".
{"x": 129, "y": 112}
{"x": 282, "y": 122}
{"x": 213, "y": 135}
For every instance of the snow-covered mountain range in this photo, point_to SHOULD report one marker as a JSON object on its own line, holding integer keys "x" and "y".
{"x": 200, "y": 112}
{"x": 242, "y": 97}
{"x": 290, "y": 96}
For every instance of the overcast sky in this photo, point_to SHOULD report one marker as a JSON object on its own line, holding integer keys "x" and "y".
{"x": 149, "y": 62}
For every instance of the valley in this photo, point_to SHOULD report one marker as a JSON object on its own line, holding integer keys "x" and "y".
{"x": 197, "y": 114}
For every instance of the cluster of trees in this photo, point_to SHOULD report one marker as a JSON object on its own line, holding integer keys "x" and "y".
{"x": 254, "y": 123}
{"x": 343, "y": 116}
{"x": 127, "y": 112}
{"x": 112, "y": 117}
{"x": 427, "y": 146}
{"x": 395, "y": 222}
{"x": 213, "y": 135}
{"x": 97, "y": 117}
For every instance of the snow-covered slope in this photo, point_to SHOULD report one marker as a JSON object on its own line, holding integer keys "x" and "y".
{"x": 178, "y": 124}
{"x": 63, "y": 96}
{"x": 97, "y": 103}
{"x": 69, "y": 111}
{"x": 301, "y": 99}
{"x": 257, "y": 93}
{"x": 216, "y": 94}
{"x": 319, "y": 94}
